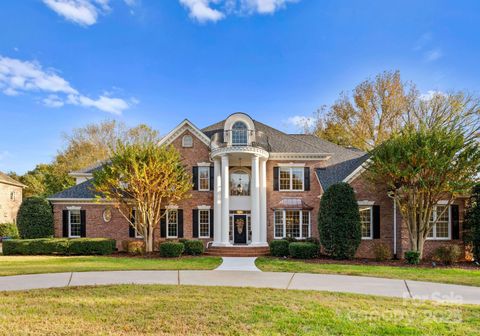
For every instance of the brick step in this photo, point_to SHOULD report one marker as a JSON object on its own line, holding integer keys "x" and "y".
{"x": 237, "y": 251}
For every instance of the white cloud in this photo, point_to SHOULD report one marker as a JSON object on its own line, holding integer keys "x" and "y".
{"x": 83, "y": 12}
{"x": 301, "y": 121}
{"x": 201, "y": 11}
{"x": 215, "y": 10}
{"x": 18, "y": 76}
{"x": 433, "y": 55}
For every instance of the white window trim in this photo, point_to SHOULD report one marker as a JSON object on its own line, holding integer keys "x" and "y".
{"x": 371, "y": 221}
{"x": 137, "y": 235}
{"x": 208, "y": 178}
{"x": 209, "y": 219}
{"x": 231, "y": 143}
{"x": 183, "y": 141}
{"x": 284, "y": 215}
{"x": 449, "y": 223}
{"x": 70, "y": 222}
{"x": 290, "y": 168}
{"x": 167, "y": 223}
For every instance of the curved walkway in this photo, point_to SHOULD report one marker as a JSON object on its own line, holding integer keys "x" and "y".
{"x": 290, "y": 281}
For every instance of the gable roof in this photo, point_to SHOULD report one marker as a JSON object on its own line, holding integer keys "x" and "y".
{"x": 340, "y": 171}
{"x": 177, "y": 131}
{"x": 4, "y": 178}
{"x": 84, "y": 190}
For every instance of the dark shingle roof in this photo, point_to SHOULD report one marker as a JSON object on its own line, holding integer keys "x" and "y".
{"x": 338, "y": 172}
{"x": 91, "y": 169}
{"x": 4, "y": 178}
{"x": 79, "y": 191}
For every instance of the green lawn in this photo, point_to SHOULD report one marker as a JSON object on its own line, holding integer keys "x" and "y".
{"x": 446, "y": 275}
{"x": 14, "y": 265}
{"x": 189, "y": 310}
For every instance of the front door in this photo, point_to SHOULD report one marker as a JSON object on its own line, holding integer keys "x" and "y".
{"x": 240, "y": 229}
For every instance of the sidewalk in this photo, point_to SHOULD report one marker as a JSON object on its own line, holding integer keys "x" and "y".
{"x": 289, "y": 281}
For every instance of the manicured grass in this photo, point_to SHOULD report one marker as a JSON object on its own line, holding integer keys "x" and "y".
{"x": 188, "y": 310}
{"x": 458, "y": 276}
{"x": 14, "y": 265}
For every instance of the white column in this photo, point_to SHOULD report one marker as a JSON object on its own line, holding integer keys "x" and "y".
{"x": 225, "y": 201}
{"x": 255, "y": 199}
{"x": 263, "y": 201}
{"x": 217, "y": 202}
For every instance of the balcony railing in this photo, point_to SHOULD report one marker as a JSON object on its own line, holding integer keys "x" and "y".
{"x": 235, "y": 138}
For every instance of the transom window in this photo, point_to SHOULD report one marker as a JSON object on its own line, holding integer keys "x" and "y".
{"x": 291, "y": 178}
{"x": 366, "y": 221}
{"x": 187, "y": 141}
{"x": 204, "y": 223}
{"x": 239, "y": 133}
{"x": 74, "y": 224}
{"x": 441, "y": 229}
{"x": 203, "y": 178}
{"x": 292, "y": 223}
{"x": 172, "y": 223}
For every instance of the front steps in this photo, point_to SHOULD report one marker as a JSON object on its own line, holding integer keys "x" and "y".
{"x": 237, "y": 251}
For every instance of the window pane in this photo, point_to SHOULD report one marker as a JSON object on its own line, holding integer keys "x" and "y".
{"x": 297, "y": 178}
{"x": 292, "y": 222}
{"x": 366, "y": 221}
{"x": 239, "y": 133}
{"x": 440, "y": 229}
{"x": 204, "y": 222}
{"x": 279, "y": 224}
{"x": 172, "y": 230}
{"x": 284, "y": 178}
{"x": 240, "y": 183}
{"x": 305, "y": 224}
{"x": 75, "y": 225}
{"x": 204, "y": 178}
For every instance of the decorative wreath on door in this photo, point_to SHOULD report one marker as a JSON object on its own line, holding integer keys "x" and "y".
{"x": 240, "y": 224}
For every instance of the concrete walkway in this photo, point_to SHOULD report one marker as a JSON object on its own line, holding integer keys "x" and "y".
{"x": 238, "y": 264}
{"x": 290, "y": 281}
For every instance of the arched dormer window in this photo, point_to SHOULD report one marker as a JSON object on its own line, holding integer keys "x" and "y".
{"x": 187, "y": 141}
{"x": 239, "y": 133}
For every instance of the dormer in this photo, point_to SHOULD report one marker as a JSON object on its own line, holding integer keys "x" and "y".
{"x": 239, "y": 130}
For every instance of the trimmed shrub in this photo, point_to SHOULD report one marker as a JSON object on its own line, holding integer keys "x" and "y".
{"x": 339, "y": 222}
{"x": 303, "y": 250}
{"x": 35, "y": 219}
{"x": 279, "y": 248}
{"x": 171, "y": 249}
{"x": 290, "y": 239}
{"x": 381, "y": 251}
{"x": 59, "y": 246}
{"x": 133, "y": 246}
{"x": 447, "y": 254}
{"x": 194, "y": 247}
{"x": 313, "y": 240}
{"x": 8, "y": 230}
{"x": 412, "y": 257}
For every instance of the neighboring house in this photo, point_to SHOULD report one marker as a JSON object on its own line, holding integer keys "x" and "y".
{"x": 10, "y": 198}
{"x": 252, "y": 184}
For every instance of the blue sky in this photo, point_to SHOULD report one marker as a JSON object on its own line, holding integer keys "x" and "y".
{"x": 65, "y": 63}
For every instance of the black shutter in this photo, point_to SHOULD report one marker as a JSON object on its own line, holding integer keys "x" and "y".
{"x": 376, "y": 222}
{"x": 65, "y": 223}
{"x": 180, "y": 223}
{"x": 195, "y": 223}
{"x": 212, "y": 176}
{"x": 195, "y": 177}
{"x": 306, "y": 179}
{"x": 163, "y": 224}
{"x": 131, "y": 229}
{"x": 455, "y": 221}
{"x": 275, "y": 178}
{"x": 211, "y": 223}
{"x": 83, "y": 223}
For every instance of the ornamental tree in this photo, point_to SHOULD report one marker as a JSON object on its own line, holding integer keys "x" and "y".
{"x": 35, "y": 218}
{"x": 435, "y": 158}
{"x": 339, "y": 222}
{"x": 145, "y": 177}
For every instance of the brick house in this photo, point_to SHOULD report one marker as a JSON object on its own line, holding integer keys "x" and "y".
{"x": 10, "y": 198}
{"x": 252, "y": 184}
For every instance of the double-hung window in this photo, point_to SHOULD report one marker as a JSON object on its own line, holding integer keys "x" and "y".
{"x": 203, "y": 178}
{"x": 291, "y": 178}
{"x": 366, "y": 221}
{"x": 204, "y": 223}
{"x": 441, "y": 229}
{"x": 74, "y": 224}
{"x": 292, "y": 223}
{"x": 239, "y": 134}
{"x": 172, "y": 223}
